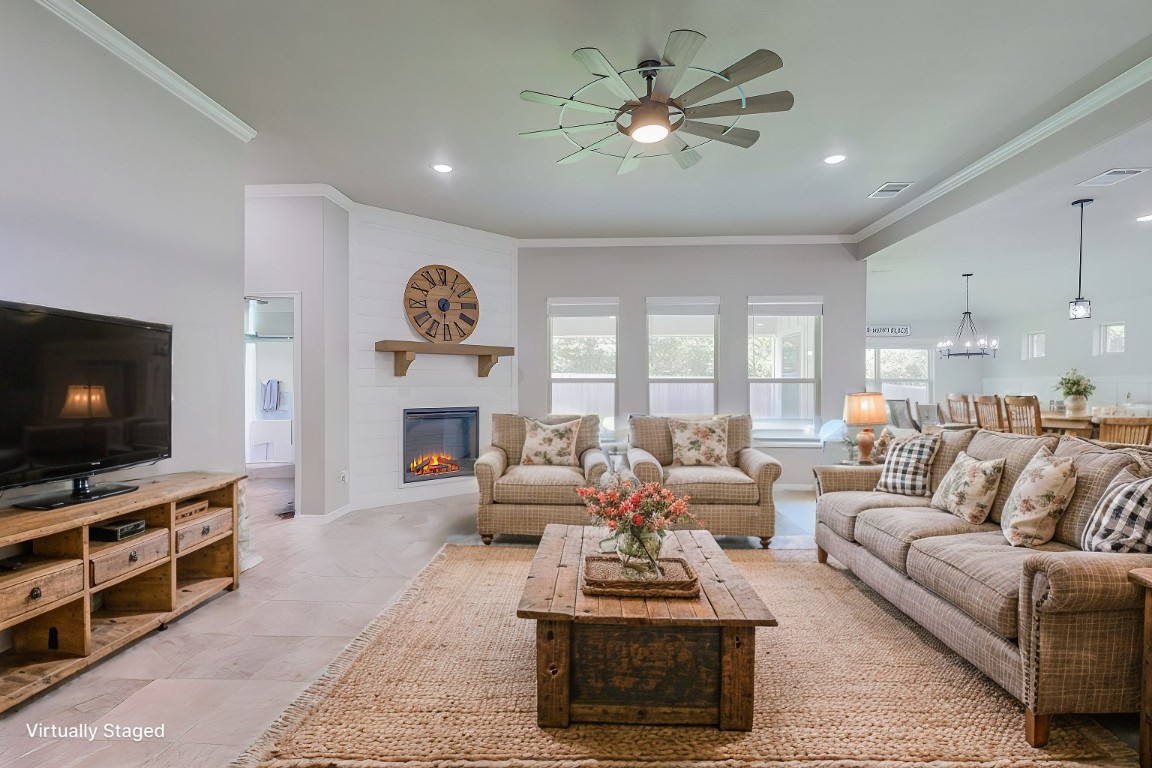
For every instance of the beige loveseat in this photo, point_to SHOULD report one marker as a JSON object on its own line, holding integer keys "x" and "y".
{"x": 1057, "y": 627}
{"x": 516, "y": 498}
{"x": 735, "y": 500}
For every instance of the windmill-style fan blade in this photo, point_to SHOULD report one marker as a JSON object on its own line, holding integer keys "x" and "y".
{"x": 741, "y": 137}
{"x": 583, "y": 153}
{"x": 598, "y": 65}
{"x": 560, "y": 101}
{"x": 631, "y": 159}
{"x": 750, "y": 67}
{"x": 568, "y": 129}
{"x": 781, "y": 101}
{"x": 679, "y": 51}
{"x": 684, "y": 157}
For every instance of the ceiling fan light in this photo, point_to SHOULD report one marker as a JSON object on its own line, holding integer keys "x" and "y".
{"x": 649, "y": 134}
{"x": 650, "y": 123}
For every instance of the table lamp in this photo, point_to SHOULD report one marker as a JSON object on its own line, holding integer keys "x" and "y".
{"x": 865, "y": 409}
{"x": 85, "y": 402}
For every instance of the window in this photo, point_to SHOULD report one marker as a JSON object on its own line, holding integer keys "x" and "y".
{"x": 682, "y": 355}
{"x": 582, "y": 357}
{"x": 899, "y": 373}
{"x": 1032, "y": 345}
{"x": 784, "y": 367}
{"x": 1110, "y": 339}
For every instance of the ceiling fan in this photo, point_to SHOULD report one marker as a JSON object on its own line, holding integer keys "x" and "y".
{"x": 658, "y": 117}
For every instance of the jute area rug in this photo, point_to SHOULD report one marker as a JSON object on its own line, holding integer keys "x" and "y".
{"x": 446, "y": 677}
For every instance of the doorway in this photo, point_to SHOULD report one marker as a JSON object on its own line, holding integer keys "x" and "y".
{"x": 272, "y": 390}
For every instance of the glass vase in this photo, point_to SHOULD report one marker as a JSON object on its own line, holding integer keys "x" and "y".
{"x": 639, "y": 552}
{"x": 1076, "y": 405}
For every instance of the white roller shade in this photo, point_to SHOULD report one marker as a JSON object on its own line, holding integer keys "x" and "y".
{"x": 683, "y": 305}
{"x": 790, "y": 306}
{"x": 583, "y": 307}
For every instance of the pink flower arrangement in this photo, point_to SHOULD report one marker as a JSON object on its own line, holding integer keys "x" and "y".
{"x": 638, "y": 507}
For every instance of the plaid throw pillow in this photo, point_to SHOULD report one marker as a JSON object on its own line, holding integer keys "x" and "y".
{"x": 1122, "y": 520}
{"x": 906, "y": 468}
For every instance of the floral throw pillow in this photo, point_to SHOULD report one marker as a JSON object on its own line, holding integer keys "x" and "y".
{"x": 699, "y": 442}
{"x": 1038, "y": 499}
{"x": 969, "y": 488}
{"x": 550, "y": 443}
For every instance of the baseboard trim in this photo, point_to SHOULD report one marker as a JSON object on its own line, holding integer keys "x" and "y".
{"x": 795, "y": 486}
{"x": 324, "y": 519}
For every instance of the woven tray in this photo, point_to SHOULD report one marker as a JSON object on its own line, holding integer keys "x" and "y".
{"x": 604, "y": 575}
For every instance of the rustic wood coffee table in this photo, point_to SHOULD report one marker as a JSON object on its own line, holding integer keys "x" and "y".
{"x": 642, "y": 660}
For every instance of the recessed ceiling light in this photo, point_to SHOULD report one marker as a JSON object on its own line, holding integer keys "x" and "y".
{"x": 834, "y": 159}
{"x": 442, "y": 168}
{"x": 1144, "y": 218}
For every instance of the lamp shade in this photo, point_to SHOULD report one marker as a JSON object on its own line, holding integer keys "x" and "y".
{"x": 85, "y": 402}
{"x": 864, "y": 408}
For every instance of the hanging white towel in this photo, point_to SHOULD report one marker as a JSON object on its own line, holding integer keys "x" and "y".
{"x": 272, "y": 395}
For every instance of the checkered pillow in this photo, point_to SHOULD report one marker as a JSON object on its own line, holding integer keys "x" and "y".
{"x": 906, "y": 468}
{"x": 1122, "y": 520}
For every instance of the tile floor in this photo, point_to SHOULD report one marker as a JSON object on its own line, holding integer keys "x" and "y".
{"x": 221, "y": 674}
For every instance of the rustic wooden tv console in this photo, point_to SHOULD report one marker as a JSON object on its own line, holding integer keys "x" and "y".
{"x": 73, "y": 600}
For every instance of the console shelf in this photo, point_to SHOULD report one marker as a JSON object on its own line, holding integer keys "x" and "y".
{"x": 75, "y": 600}
{"x": 404, "y": 352}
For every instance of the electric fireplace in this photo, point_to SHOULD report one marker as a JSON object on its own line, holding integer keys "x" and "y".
{"x": 440, "y": 443}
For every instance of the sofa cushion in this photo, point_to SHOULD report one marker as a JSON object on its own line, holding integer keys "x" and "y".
{"x": 508, "y": 433}
{"x": 551, "y": 444}
{"x": 651, "y": 433}
{"x": 525, "y": 484}
{"x": 1038, "y": 499}
{"x": 838, "y": 509}
{"x": 969, "y": 487}
{"x": 1122, "y": 521}
{"x": 699, "y": 442}
{"x": 887, "y": 533}
{"x": 712, "y": 485}
{"x": 906, "y": 467}
{"x": 1096, "y": 467}
{"x": 979, "y": 573}
{"x": 1016, "y": 450}
{"x": 952, "y": 442}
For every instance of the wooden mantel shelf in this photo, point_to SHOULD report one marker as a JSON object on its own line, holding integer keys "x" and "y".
{"x": 404, "y": 352}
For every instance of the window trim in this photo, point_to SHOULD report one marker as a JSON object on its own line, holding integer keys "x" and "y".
{"x": 1101, "y": 340}
{"x": 1027, "y": 345}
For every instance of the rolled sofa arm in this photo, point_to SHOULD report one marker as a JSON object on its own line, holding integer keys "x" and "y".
{"x": 846, "y": 477}
{"x": 645, "y": 466}
{"x": 595, "y": 464}
{"x": 759, "y": 466}
{"x": 1071, "y": 582}
{"x": 491, "y": 464}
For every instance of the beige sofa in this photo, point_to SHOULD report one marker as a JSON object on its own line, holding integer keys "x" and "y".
{"x": 515, "y": 498}
{"x": 1058, "y": 628}
{"x": 735, "y": 500}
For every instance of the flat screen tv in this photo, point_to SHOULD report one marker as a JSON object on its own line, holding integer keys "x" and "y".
{"x": 80, "y": 394}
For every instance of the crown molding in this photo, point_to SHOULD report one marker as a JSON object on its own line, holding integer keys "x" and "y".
{"x": 1115, "y": 88}
{"x": 127, "y": 51}
{"x": 667, "y": 242}
{"x": 302, "y": 190}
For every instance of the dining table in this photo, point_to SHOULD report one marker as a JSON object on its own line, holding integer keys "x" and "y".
{"x": 1050, "y": 421}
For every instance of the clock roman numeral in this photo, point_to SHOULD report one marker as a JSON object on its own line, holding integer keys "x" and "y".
{"x": 428, "y": 276}
{"x": 455, "y": 280}
{"x": 467, "y": 305}
{"x": 460, "y": 330}
{"x": 443, "y": 275}
{"x": 417, "y": 303}
{"x": 447, "y": 334}
{"x": 432, "y": 328}
{"x": 469, "y": 320}
{"x": 419, "y": 288}
{"x": 464, "y": 292}
{"x": 422, "y": 318}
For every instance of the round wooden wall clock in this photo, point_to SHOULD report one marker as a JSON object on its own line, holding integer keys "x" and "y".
{"x": 441, "y": 304}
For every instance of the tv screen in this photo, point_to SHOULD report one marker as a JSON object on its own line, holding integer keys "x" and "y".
{"x": 80, "y": 394}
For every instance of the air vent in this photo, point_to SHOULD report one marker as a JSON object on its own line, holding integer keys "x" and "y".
{"x": 891, "y": 189}
{"x": 1114, "y": 176}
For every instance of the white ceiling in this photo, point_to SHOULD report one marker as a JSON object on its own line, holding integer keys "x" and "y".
{"x": 366, "y": 94}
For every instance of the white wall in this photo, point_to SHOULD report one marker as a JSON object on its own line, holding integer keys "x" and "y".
{"x": 117, "y": 198}
{"x": 734, "y": 273}
{"x": 299, "y": 245}
{"x": 387, "y": 248}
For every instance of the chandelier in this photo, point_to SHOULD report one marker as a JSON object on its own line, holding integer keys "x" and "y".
{"x": 968, "y": 342}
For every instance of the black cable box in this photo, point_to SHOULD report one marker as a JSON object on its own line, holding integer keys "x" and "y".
{"x": 115, "y": 530}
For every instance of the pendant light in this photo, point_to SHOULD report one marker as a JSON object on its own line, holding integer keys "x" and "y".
{"x": 1080, "y": 308}
{"x": 968, "y": 342}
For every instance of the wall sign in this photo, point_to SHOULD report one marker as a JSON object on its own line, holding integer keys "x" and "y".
{"x": 887, "y": 330}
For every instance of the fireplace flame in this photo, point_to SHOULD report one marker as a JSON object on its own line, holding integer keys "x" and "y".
{"x": 433, "y": 464}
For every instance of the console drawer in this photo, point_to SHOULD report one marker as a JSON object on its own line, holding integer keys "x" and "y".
{"x": 114, "y": 559}
{"x": 191, "y": 533}
{"x": 41, "y": 582}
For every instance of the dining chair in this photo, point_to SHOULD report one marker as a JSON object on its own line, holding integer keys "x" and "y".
{"x": 927, "y": 414}
{"x": 958, "y": 409}
{"x": 900, "y": 414}
{"x": 989, "y": 415}
{"x": 1126, "y": 429}
{"x": 1023, "y": 413}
